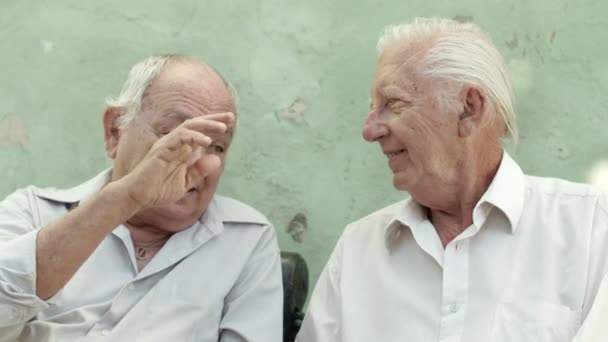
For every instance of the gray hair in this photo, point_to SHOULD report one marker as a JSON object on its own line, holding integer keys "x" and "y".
{"x": 140, "y": 77}
{"x": 462, "y": 54}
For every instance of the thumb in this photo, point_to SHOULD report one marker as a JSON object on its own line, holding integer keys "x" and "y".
{"x": 210, "y": 163}
{"x": 205, "y": 165}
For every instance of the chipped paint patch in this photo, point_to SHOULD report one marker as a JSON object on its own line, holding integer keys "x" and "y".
{"x": 294, "y": 112}
{"x": 463, "y": 18}
{"x": 521, "y": 74}
{"x": 513, "y": 43}
{"x": 47, "y": 46}
{"x": 552, "y": 39}
{"x": 13, "y": 131}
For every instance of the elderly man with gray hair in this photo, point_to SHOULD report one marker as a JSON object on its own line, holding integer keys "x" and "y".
{"x": 480, "y": 252}
{"x": 145, "y": 251}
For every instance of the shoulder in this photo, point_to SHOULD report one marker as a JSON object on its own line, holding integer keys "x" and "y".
{"x": 565, "y": 199}
{"x": 375, "y": 222}
{"x": 231, "y": 210}
{"x": 20, "y": 198}
{"x": 559, "y": 187}
{"x": 571, "y": 196}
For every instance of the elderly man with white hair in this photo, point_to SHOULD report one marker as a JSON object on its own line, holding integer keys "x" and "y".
{"x": 145, "y": 251}
{"x": 480, "y": 252}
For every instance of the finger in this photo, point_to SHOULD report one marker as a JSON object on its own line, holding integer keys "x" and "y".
{"x": 184, "y": 154}
{"x": 179, "y": 137}
{"x": 202, "y": 168}
{"x": 227, "y": 119}
{"x": 205, "y": 126}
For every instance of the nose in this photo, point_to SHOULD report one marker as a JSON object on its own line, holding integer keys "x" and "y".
{"x": 374, "y": 127}
{"x": 205, "y": 166}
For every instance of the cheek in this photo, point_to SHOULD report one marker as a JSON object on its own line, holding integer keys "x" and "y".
{"x": 130, "y": 151}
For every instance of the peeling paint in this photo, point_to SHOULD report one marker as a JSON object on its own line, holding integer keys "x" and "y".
{"x": 47, "y": 46}
{"x": 463, "y": 18}
{"x": 13, "y": 131}
{"x": 563, "y": 153}
{"x": 294, "y": 112}
{"x": 521, "y": 74}
{"x": 513, "y": 43}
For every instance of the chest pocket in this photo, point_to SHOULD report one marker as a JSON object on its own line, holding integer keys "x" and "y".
{"x": 534, "y": 321}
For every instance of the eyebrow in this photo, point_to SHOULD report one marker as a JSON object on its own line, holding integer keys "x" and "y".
{"x": 180, "y": 116}
{"x": 393, "y": 91}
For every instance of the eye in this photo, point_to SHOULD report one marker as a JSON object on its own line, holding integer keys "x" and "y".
{"x": 395, "y": 104}
{"x": 163, "y": 131}
{"x": 216, "y": 149}
{"x": 392, "y": 103}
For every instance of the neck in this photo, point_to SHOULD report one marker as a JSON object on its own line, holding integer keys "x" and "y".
{"x": 455, "y": 212}
{"x": 144, "y": 235}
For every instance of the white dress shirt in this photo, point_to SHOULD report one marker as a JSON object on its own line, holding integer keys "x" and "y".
{"x": 595, "y": 327}
{"x": 219, "y": 280}
{"x": 527, "y": 269}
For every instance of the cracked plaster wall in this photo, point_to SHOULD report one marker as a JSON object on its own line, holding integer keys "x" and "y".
{"x": 302, "y": 69}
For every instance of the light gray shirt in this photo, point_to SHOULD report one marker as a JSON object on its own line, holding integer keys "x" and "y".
{"x": 219, "y": 280}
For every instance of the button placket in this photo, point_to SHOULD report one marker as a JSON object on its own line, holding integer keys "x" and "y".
{"x": 455, "y": 289}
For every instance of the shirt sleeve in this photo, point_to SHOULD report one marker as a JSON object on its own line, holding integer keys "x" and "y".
{"x": 322, "y": 320}
{"x": 18, "y": 300}
{"x": 594, "y": 328}
{"x": 253, "y": 309}
{"x": 598, "y": 253}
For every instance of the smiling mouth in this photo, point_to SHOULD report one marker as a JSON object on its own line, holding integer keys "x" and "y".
{"x": 392, "y": 155}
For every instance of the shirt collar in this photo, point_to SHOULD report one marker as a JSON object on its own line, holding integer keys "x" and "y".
{"x": 408, "y": 214}
{"x": 221, "y": 209}
{"x": 79, "y": 192}
{"x": 506, "y": 192}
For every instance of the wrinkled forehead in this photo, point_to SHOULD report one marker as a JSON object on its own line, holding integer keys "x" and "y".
{"x": 398, "y": 63}
{"x": 192, "y": 77}
{"x": 191, "y": 83}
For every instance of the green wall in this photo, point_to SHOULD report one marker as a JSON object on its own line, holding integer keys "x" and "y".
{"x": 303, "y": 70}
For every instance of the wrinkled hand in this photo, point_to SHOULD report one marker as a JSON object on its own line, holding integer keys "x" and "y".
{"x": 168, "y": 171}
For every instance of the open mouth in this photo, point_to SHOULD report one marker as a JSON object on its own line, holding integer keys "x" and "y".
{"x": 394, "y": 154}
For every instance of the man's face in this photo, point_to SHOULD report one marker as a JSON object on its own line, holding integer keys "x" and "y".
{"x": 182, "y": 91}
{"x": 419, "y": 139}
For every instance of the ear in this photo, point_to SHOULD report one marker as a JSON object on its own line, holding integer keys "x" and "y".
{"x": 111, "y": 129}
{"x": 473, "y": 115}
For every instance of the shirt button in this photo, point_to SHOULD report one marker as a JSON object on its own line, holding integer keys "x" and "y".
{"x": 105, "y": 332}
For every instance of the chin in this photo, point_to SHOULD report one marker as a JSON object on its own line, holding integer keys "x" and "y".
{"x": 175, "y": 217}
{"x": 401, "y": 182}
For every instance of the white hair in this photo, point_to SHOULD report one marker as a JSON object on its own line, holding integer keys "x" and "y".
{"x": 140, "y": 77}
{"x": 462, "y": 54}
